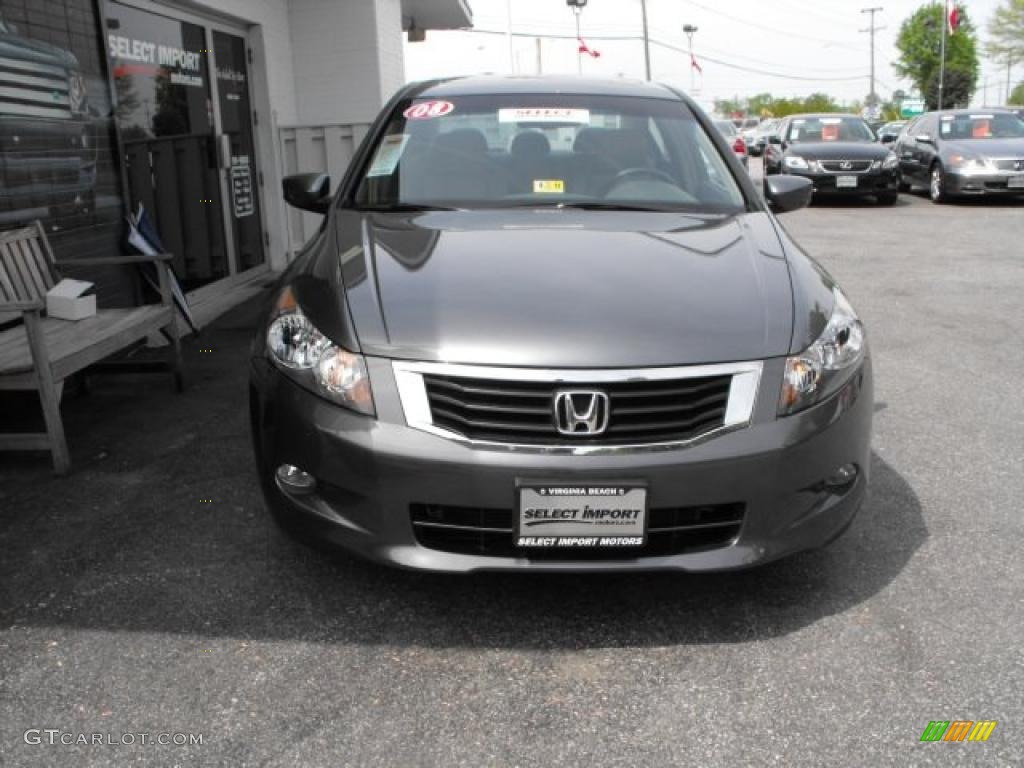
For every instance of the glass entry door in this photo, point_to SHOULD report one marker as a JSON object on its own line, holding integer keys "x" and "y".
{"x": 238, "y": 150}
{"x": 184, "y": 114}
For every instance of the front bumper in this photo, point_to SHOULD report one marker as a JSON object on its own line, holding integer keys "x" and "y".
{"x": 983, "y": 182}
{"x": 868, "y": 182}
{"x": 371, "y": 471}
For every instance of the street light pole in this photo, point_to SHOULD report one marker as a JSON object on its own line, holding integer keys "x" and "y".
{"x": 577, "y": 8}
{"x": 689, "y": 29}
{"x": 872, "y": 96}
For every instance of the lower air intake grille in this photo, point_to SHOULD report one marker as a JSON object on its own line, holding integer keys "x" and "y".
{"x": 490, "y": 532}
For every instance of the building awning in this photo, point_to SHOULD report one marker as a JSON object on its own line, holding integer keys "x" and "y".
{"x": 436, "y": 14}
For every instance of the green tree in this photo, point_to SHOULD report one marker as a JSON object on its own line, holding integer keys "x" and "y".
{"x": 1006, "y": 31}
{"x": 1017, "y": 96}
{"x": 726, "y": 107}
{"x": 920, "y": 43}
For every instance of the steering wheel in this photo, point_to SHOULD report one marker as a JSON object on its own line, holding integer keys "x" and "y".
{"x": 628, "y": 174}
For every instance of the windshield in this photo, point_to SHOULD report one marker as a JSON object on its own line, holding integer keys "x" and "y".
{"x": 981, "y": 126}
{"x": 725, "y": 127}
{"x": 551, "y": 150}
{"x": 829, "y": 129}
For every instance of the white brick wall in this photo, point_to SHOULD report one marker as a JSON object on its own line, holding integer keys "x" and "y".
{"x": 347, "y": 58}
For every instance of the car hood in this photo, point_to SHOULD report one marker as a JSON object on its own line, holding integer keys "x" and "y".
{"x": 839, "y": 150}
{"x": 563, "y": 288}
{"x": 985, "y": 147}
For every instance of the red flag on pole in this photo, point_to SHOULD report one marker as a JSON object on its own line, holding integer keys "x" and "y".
{"x": 694, "y": 64}
{"x": 954, "y": 20}
{"x": 584, "y": 48}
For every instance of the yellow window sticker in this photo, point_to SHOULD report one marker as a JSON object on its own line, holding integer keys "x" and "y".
{"x": 548, "y": 186}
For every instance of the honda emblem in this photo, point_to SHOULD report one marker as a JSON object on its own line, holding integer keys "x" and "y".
{"x": 581, "y": 412}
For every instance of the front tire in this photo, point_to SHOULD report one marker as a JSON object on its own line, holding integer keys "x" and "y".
{"x": 937, "y": 185}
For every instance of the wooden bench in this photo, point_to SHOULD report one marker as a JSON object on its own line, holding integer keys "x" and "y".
{"x": 40, "y": 354}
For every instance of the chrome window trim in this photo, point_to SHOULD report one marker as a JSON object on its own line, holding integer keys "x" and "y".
{"x": 743, "y": 390}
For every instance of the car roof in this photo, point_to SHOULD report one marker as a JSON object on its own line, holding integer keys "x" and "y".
{"x": 825, "y": 114}
{"x": 975, "y": 111}
{"x": 480, "y": 85}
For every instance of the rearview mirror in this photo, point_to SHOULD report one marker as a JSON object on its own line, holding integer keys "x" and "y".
{"x": 787, "y": 193}
{"x": 308, "y": 191}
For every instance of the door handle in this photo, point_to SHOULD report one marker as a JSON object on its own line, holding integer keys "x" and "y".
{"x": 223, "y": 151}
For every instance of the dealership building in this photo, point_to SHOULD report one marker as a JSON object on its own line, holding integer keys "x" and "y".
{"x": 194, "y": 110}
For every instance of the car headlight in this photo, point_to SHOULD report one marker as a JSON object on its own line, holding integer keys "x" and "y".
{"x": 76, "y": 92}
{"x": 312, "y": 360}
{"x": 795, "y": 163}
{"x": 891, "y": 161}
{"x": 968, "y": 162}
{"x": 822, "y": 368}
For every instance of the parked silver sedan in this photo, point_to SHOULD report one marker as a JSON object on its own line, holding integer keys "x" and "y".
{"x": 964, "y": 152}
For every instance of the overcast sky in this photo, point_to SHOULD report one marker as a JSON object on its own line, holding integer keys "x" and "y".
{"x": 806, "y": 46}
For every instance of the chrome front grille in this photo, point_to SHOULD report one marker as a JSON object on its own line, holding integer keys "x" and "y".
{"x": 523, "y": 412}
{"x": 30, "y": 89}
{"x": 1010, "y": 164}
{"x": 845, "y": 166}
{"x": 520, "y": 407}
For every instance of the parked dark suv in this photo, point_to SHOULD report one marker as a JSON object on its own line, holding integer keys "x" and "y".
{"x": 47, "y": 137}
{"x": 550, "y": 324}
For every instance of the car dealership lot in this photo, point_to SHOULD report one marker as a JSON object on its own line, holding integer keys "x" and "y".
{"x": 149, "y": 593}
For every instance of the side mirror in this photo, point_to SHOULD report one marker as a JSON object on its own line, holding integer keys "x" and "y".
{"x": 925, "y": 138}
{"x": 776, "y": 140}
{"x": 787, "y": 193}
{"x": 308, "y": 191}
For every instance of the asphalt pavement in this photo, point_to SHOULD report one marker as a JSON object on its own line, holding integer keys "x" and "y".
{"x": 149, "y": 593}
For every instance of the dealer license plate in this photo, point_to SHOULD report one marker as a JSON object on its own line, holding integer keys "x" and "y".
{"x": 846, "y": 182}
{"x": 1015, "y": 182}
{"x": 581, "y": 516}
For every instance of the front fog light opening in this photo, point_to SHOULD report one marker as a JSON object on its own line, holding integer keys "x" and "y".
{"x": 842, "y": 477}
{"x": 295, "y": 480}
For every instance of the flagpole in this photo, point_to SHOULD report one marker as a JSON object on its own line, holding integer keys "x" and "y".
{"x": 942, "y": 55}
{"x": 508, "y": 37}
{"x": 579, "y": 53}
{"x": 647, "y": 42}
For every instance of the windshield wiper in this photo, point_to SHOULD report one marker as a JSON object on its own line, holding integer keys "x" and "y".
{"x": 599, "y": 206}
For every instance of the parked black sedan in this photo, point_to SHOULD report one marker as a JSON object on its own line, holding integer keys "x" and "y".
{"x": 505, "y": 351}
{"x": 964, "y": 152}
{"x": 838, "y": 153}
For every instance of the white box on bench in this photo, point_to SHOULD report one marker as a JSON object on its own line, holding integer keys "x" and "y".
{"x": 65, "y": 300}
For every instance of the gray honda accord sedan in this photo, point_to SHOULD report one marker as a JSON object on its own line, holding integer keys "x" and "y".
{"x": 550, "y": 324}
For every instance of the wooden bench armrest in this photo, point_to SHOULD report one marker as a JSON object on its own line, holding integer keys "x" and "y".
{"x": 22, "y": 306}
{"x": 102, "y": 260}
